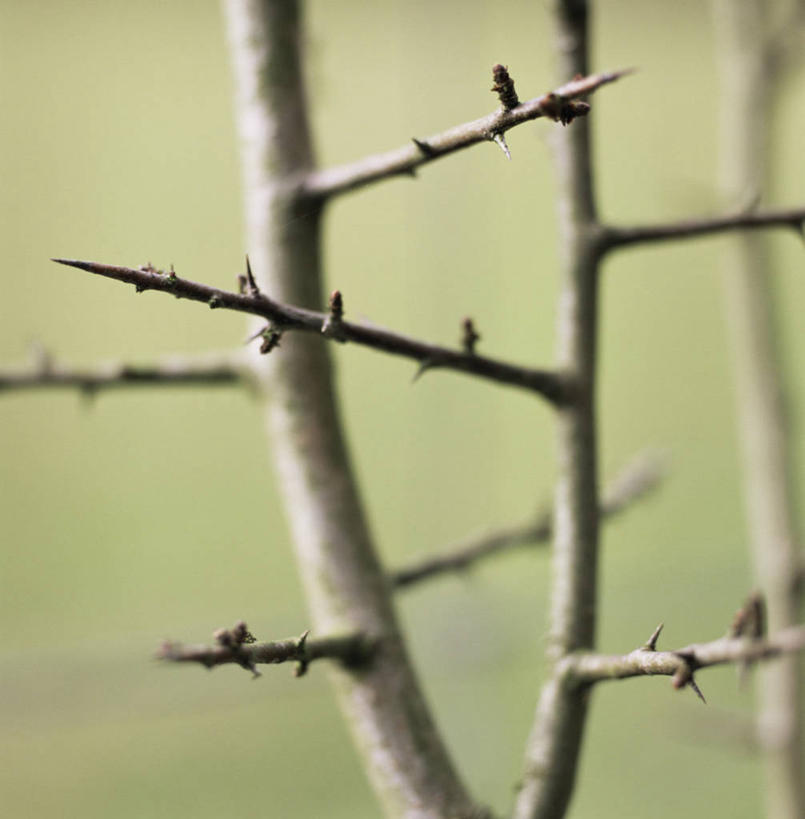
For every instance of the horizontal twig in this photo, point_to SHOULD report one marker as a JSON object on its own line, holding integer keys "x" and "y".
{"x": 283, "y": 317}
{"x": 237, "y": 645}
{"x": 217, "y": 370}
{"x": 614, "y": 237}
{"x": 639, "y": 478}
{"x": 681, "y": 664}
{"x": 404, "y": 161}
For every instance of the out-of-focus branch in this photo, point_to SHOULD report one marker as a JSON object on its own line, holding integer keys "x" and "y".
{"x": 613, "y": 237}
{"x": 751, "y": 104}
{"x": 557, "y": 105}
{"x": 190, "y": 371}
{"x": 237, "y": 645}
{"x": 640, "y": 477}
{"x": 287, "y": 318}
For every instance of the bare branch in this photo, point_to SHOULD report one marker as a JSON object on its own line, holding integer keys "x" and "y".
{"x": 613, "y": 237}
{"x": 554, "y": 743}
{"x": 557, "y": 105}
{"x": 640, "y": 477}
{"x": 589, "y": 667}
{"x": 284, "y": 317}
{"x": 237, "y": 645}
{"x": 205, "y": 370}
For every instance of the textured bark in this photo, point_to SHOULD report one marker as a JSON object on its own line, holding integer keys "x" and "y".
{"x": 345, "y": 587}
{"x": 747, "y": 115}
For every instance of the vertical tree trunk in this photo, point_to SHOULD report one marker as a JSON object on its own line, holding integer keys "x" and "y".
{"x": 555, "y": 742}
{"x": 747, "y": 115}
{"x": 345, "y": 587}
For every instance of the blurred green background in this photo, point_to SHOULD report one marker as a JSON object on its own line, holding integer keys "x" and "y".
{"x": 152, "y": 514}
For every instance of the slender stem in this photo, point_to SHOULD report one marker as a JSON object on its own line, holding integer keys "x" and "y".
{"x": 588, "y": 667}
{"x": 613, "y": 236}
{"x": 639, "y": 478}
{"x": 555, "y": 742}
{"x": 184, "y": 371}
{"x": 404, "y": 161}
{"x": 289, "y": 318}
{"x": 238, "y": 646}
{"x": 346, "y": 588}
{"x": 747, "y": 114}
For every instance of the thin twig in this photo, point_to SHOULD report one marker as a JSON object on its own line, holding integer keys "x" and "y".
{"x": 237, "y": 645}
{"x": 589, "y": 667}
{"x": 286, "y": 317}
{"x": 613, "y": 237}
{"x": 218, "y": 370}
{"x": 640, "y": 477}
{"x": 404, "y": 161}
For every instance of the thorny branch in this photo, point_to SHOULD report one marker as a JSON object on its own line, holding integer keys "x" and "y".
{"x": 641, "y": 477}
{"x": 558, "y": 105}
{"x": 238, "y": 645}
{"x": 681, "y": 664}
{"x": 283, "y": 318}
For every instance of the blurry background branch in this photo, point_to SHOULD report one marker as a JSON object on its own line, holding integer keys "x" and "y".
{"x": 639, "y": 478}
{"x": 220, "y": 369}
{"x": 753, "y": 53}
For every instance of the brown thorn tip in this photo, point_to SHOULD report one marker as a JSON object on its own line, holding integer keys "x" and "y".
{"x": 692, "y": 684}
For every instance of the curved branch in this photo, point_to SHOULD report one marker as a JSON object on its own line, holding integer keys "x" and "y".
{"x": 556, "y": 105}
{"x": 285, "y": 317}
{"x": 613, "y": 237}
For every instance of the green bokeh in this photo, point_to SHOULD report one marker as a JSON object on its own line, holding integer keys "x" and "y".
{"x": 153, "y": 514}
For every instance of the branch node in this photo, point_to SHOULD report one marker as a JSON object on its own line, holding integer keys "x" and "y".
{"x": 500, "y": 140}
{"x": 559, "y": 109}
{"x": 683, "y": 676}
{"x": 333, "y": 326}
{"x": 214, "y": 302}
{"x": 469, "y": 336}
{"x": 504, "y": 87}
{"x": 271, "y": 336}
{"x": 651, "y": 643}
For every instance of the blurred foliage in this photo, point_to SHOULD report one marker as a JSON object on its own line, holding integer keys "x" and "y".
{"x": 154, "y": 514}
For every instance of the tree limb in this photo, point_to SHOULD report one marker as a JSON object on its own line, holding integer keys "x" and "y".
{"x": 640, "y": 477}
{"x": 206, "y": 370}
{"x": 555, "y": 105}
{"x": 554, "y": 743}
{"x": 682, "y": 663}
{"x": 286, "y": 318}
{"x": 345, "y": 586}
{"x": 613, "y": 237}
{"x": 237, "y": 645}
